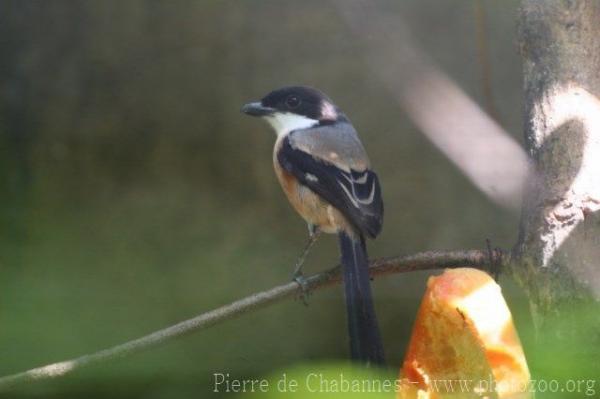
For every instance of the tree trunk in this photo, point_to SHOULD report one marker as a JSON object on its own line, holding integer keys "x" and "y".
{"x": 558, "y": 253}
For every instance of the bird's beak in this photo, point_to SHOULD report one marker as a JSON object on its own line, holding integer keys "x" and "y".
{"x": 257, "y": 109}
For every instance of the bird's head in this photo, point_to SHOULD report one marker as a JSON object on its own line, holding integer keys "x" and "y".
{"x": 295, "y": 107}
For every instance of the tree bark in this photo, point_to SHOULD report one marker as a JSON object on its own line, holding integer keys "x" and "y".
{"x": 557, "y": 258}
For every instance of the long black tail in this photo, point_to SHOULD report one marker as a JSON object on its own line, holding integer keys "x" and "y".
{"x": 365, "y": 339}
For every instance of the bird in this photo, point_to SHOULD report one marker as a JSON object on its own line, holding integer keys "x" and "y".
{"x": 325, "y": 172}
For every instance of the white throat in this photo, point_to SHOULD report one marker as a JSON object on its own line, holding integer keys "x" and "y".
{"x": 284, "y": 123}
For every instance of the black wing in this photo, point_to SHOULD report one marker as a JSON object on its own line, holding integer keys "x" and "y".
{"x": 357, "y": 195}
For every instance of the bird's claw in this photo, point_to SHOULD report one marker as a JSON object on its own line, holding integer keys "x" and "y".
{"x": 304, "y": 290}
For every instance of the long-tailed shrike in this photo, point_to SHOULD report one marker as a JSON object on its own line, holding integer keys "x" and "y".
{"x": 325, "y": 173}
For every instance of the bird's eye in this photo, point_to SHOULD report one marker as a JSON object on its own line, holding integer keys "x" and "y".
{"x": 292, "y": 101}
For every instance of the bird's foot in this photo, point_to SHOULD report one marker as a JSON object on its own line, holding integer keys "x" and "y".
{"x": 304, "y": 290}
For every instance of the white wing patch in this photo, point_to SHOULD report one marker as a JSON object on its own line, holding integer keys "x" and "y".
{"x": 352, "y": 196}
{"x": 311, "y": 177}
{"x": 362, "y": 179}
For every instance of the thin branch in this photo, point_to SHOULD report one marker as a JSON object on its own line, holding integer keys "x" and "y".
{"x": 379, "y": 267}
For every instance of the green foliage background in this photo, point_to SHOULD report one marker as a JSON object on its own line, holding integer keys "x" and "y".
{"x": 135, "y": 195}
